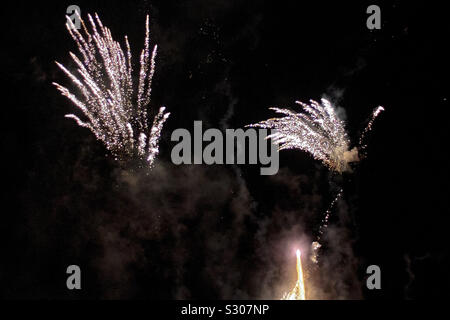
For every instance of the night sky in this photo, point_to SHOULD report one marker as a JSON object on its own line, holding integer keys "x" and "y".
{"x": 225, "y": 231}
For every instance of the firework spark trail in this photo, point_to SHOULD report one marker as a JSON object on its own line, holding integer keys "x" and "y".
{"x": 298, "y": 293}
{"x": 115, "y": 108}
{"x": 324, "y": 222}
{"x": 315, "y": 246}
{"x": 362, "y": 145}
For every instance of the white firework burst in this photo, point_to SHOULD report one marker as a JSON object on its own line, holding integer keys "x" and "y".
{"x": 114, "y": 106}
{"x": 318, "y": 131}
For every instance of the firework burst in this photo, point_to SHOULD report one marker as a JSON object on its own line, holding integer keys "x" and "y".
{"x": 114, "y": 106}
{"x": 317, "y": 130}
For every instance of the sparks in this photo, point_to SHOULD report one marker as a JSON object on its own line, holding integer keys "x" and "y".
{"x": 298, "y": 293}
{"x": 114, "y": 107}
{"x": 367, "y": 129}
{"x": 316, "y": 245}
{"x": 317, "y": 130}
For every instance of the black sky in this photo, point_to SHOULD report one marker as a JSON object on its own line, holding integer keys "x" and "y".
{"x": 225, "y": 231}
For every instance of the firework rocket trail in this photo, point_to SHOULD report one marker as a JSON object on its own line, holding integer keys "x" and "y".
{"x": 367, "y": 129}
{"x": 323, "y": 225}
{"x": 298, "y": 293}
{"x": 114, "y": 106}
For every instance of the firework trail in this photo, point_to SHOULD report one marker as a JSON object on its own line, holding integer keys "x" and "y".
{"x": 367, "y": 129}
{"x": 315, "y": 246}
{"x": 298, "y": 293}
{"x": 114, "y": 106}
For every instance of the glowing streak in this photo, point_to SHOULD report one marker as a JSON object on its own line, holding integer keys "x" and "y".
{"x": 298, "y": 293}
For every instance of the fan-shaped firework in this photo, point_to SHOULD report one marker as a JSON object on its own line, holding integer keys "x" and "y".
{"x": 114, "y": 106}
{"x": 318, "y": 131}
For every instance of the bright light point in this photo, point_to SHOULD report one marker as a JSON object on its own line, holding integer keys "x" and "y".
{"x": 298, "y": 293}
